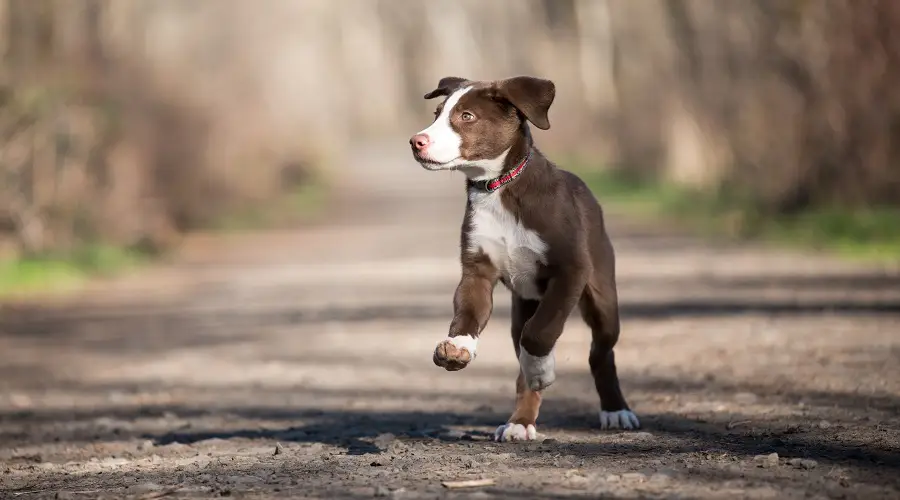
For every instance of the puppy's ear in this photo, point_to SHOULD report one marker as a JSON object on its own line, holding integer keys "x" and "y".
{"x": 446, "y": 86}
{"x": 532, "y": 96}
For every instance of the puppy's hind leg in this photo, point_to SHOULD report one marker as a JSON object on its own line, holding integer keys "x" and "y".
{"x": 521, "y": 426}
{"x": 600, "y": 310}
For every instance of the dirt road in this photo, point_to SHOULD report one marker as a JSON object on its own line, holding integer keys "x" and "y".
{"x": 298, "y": 364}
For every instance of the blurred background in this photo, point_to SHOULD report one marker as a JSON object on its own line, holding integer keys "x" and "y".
{"x": 261, "y": 270}
{"x": 132, "y": 122}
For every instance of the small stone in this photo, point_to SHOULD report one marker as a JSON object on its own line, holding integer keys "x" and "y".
{"x": 637, "y": 477}
{"x": 613, "y": 478}
{"x": 766, "y": 461}
{"x": 381, "y": 491}
{"x": 824, "y": 424}
{"x": 45, "y": 466}
{"x": 278, "y": 449}
{"x": 803, "y": 463}
{"x": 550, "y": 441}
{"x": 145, "y": 445}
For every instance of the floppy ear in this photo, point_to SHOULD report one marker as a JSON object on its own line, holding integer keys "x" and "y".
{"x": 446, "y": 86}
{"x": 532, "y": 96}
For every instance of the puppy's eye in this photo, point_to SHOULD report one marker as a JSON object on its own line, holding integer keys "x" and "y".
{"x": 467, "y": 117}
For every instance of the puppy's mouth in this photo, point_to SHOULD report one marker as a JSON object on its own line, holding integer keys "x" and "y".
{"x": 430, "y": 164}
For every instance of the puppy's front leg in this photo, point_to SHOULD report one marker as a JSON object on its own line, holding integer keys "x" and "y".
{"x": 544, "y": 328}
{"x": 472, "y": 306}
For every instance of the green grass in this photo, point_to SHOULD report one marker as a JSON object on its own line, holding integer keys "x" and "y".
{"x": 64, "y": 273}
{"x": 52, "y": 273}
{"x": 868, "y": 234}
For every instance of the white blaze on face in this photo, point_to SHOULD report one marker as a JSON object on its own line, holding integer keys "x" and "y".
{"x": 445, "y": 142}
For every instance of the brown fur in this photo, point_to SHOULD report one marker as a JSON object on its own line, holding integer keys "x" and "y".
{"x": 580, "y": 261}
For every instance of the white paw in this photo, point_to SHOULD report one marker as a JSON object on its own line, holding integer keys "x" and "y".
{"x": 622, "y": 419}
{"x": 466, "y": 342}
{"x": 539, "y": 371}
{"x": 515, "y": 432}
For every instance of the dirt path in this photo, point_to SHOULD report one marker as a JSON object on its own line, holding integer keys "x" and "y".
{"x": 184, "y": 382}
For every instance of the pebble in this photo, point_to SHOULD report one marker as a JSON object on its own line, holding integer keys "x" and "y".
{"x": 278, "y": 449}
{"x": 766, "y": 461}
{"x": 824, "y": 424}
{"x": 550, "y": 441}
{"x": 613, "y": 478}
{"x": 803, "y": 463}
{"x": 145, "y": 445}
{"x": 381, "y": 491}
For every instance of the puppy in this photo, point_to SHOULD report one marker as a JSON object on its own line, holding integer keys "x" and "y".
{"x": 531, "y": 226}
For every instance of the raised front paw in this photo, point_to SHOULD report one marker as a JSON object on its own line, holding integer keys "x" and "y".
{"x": 515, "y": 432}
{"x": 455, "y": 353}
{"x": 539, "y": 371}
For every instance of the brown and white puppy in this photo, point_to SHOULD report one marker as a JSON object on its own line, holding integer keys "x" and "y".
{"x": 532, "y": 226}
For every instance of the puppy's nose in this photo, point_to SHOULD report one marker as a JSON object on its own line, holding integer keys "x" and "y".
{"x": 420, "y": 141}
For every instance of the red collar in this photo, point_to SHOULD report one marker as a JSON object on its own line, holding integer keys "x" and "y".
{"x": 491, "y": 185}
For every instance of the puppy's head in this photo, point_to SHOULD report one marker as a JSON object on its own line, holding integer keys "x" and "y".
{"x": 478, "y": 122}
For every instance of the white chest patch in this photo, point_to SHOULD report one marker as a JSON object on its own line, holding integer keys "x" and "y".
{"x": 513, "y": 249}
